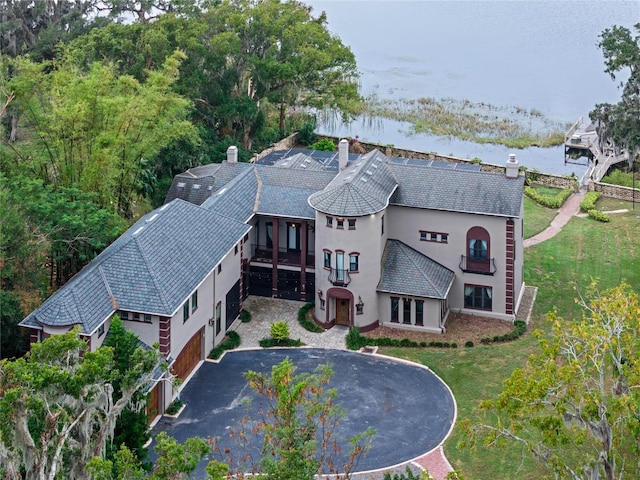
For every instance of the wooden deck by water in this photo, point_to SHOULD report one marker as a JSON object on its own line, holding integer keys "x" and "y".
{"x": 582, "y": 140}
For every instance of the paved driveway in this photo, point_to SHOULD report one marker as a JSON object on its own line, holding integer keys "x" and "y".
{"x": 410, "y": 408}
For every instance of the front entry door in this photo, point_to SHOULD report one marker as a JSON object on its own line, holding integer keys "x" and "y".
{"x": 342, "y": 311}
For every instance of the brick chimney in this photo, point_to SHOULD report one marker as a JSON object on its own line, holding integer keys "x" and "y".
{"x": 232, "y": 154}
{"x": 343, "y": 153}
{"x": 512, "y": 166}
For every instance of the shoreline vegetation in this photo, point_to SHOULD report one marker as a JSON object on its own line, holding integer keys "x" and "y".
{"x": 511, "y": 126}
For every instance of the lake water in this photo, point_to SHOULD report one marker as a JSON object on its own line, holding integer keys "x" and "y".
{"x": 539, "y": 55}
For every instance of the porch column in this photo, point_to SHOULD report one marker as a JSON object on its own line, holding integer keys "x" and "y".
{"x": 274, "y": 259}
{"x": 303, "y": 261}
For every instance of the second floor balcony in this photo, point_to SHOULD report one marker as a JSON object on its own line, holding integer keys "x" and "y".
{"x": 482, "y": 266}
{"x": 339, "y": 277}
{"x": 264, "y": 254}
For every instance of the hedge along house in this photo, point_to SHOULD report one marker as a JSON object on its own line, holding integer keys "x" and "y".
{"x": 370, "y": 240}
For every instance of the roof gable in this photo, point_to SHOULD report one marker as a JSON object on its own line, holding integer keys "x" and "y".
{"x": 151, "y": 268}
{"x": 363, "y": 188}
{"x": 485, "y": 193}
{"x": 406, "y": 271}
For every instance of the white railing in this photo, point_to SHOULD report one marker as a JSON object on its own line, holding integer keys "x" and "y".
{"x": 573, "y": 130}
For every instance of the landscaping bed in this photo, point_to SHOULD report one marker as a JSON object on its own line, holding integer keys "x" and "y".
{"x": 461, "y": 328}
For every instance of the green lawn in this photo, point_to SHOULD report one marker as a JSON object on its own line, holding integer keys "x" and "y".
{"x": 536, "y": 217}
{"x": 561, "y": 268}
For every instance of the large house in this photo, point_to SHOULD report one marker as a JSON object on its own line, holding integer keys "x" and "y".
{"x": 371, "y": 240}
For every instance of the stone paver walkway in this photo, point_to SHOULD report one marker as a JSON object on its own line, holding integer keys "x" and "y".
{"x": 265, "y": 311}
{"x": 570, "y": 208}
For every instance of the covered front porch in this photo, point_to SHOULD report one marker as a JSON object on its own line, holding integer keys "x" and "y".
{"x": 282, "y": 263}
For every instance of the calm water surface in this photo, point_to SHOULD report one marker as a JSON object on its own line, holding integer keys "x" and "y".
{"x": 539, "y": 55}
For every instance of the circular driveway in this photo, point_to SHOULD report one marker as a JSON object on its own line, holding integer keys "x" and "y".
{"x": 410, "y": 408}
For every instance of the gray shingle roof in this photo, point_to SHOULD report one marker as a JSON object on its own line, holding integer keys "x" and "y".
{"x": 406, "y": 271}
{"x": 457, "y": 190}
{"x": 236, "y": 199}
{"x": 199, "y": 183}
{"x": 363, "y": 188}
{"x": 152, "y": 268}
{"x": 269, "y": 190}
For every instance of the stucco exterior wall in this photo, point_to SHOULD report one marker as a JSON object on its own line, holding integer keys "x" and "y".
{"x": 224, "y": 281}
{"x": 405, "y": 225}
{"x": 97, "y": 338}
{"x": 431, "y": 316}
{"x": 367, "y": 241}
{"x": 146, "y": 332}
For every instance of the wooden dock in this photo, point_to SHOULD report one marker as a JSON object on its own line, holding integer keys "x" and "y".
{"x": 581, "y": 142}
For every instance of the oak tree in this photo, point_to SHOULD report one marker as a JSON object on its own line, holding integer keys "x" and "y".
{"x": 298, "y": 428}
{"x": 619, "y": 124}
{"x": 57, "y": 409}
{"x": 575, "y": 404}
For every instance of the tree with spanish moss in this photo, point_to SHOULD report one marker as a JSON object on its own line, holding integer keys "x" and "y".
{"x": 57, "y": 409}
{"x": 619, "y": 124}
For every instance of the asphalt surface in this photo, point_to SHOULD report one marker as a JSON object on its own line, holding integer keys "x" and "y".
{"x": 411, "y": 409}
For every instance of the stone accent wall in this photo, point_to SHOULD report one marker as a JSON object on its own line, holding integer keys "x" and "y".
{"x": 550, "y": 180}
{"x": 615, "y": 191}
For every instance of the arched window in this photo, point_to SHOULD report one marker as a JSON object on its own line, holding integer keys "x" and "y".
{"x": 478, "y": 244}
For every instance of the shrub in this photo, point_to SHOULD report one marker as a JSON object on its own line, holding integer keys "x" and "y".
{"x": 468, "y": 344}
{"x": 549, "y": 201}
{"x": 532, "y": 175}
{"x": 589, "y": 201}
{"x": 231, "y": 341}
{"x": 175, "y": 407}
{"x": 355, "y": 341}
{"x": 618, "y": 177}
{"x": 598, "y": 215}
{"x": 324, "y": 145}
{"x": 307, "y": 134}
{"x": 519, "y": 329}
{"x": 245, "y": 316}
{"x": 409, "y": 475}
{"x": 305, "y": 322}
{"x": 279, "y": 330}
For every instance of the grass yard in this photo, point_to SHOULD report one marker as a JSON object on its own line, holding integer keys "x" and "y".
{"x": 536, "y": 217}
{"x": 561, "y": 268}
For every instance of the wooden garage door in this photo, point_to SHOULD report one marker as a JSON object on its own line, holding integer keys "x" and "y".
{"x": 189, "y": 357}
{"x": 153, "y": 403}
